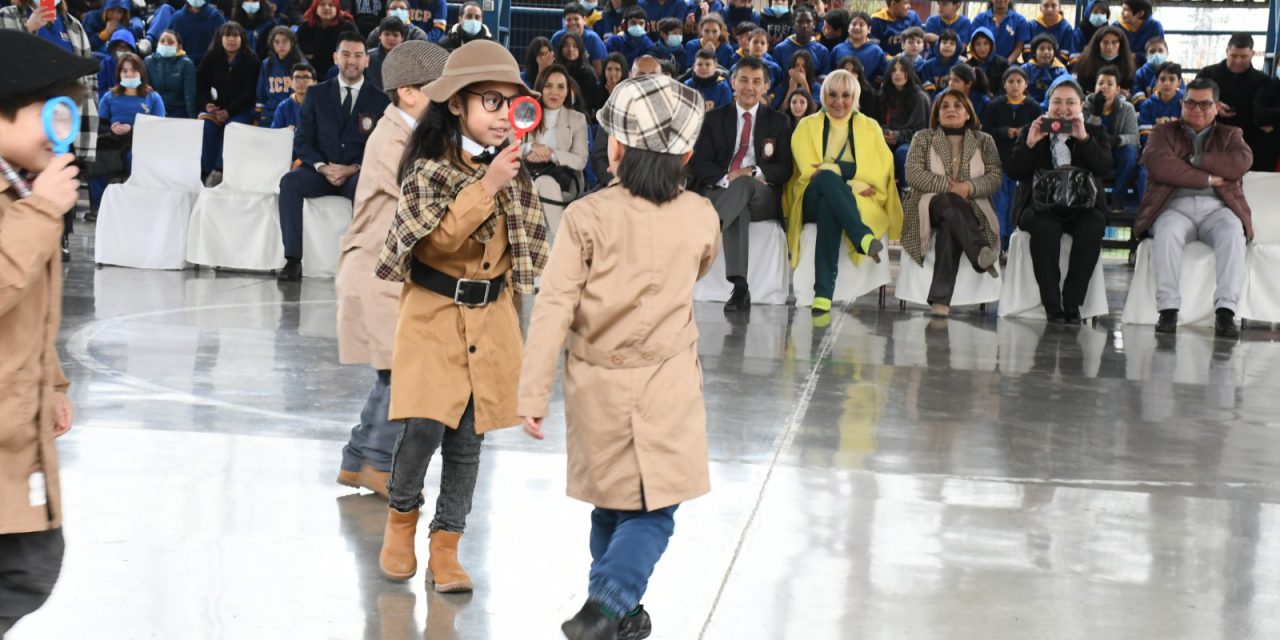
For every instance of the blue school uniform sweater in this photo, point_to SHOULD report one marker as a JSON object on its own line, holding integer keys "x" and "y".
{"x": 1062, "y": 31}
{"x": 657, "y": 10}
{"x": 871, "y": 55}
{"x": 962, "y": 26}
{"x": 726, "y": 56}
{"x": 197, "y": 29}
{"x": 631, "y": 48}
{"x": 1012, "y": 30}
{"x": 887, "y": 31}
{"x": 934, "y": 74}
{"x": 287, "y": 114}
{"x": 95, "y": 22}
{"x": 733, "y": 16}
{"x": 677, "y": 56}
{"x": 275, "y": 85}
{"x": 1041, "y": 78}
{"x": 1144, "y": 82}
{"x": 1155, "y": 111}
{"x": 431, "y": 16}
{"x": 787, "y": 49}
{"x": 1138, "y": 39}
{"x": 124, "y": 109}
{"x": 715, "y": 94}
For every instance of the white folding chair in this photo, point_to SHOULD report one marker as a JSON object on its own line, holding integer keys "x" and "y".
{"x": 851, "y": 281}
{"x": 1260, "y": 298}
{"x": 767, "y": 268}
{"x": 1198, "y": 282}
{"x": 143, "y": 222}
{"x": 237, "y": 223}
{"x": 971, "y": 287}
{"x": 1020, "y": 293}
{"x": 324, "y": 221}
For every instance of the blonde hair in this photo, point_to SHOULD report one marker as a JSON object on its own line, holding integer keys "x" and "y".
{"x": 841, "y": 80}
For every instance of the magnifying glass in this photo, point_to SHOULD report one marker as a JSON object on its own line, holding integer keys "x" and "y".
{"x": 525, "y": 115}
{"x": 61, "y": 123}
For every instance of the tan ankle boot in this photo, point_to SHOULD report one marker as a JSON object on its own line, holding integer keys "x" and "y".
{"x": 398, "y": 561}
{"x": 367, "y": 477}
{"x": 443, "y": 568}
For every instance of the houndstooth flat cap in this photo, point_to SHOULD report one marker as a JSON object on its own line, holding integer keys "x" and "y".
{"x": 653, "y": 113}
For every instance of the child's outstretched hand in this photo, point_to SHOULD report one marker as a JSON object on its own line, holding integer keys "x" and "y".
{"x": 533, "y": 427}
{"x": 502, "y": 170}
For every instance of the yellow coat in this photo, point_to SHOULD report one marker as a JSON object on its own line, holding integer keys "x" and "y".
{"x": 881, "y": 212}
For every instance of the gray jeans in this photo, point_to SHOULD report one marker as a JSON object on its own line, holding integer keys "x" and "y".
{"x": 1207, "y": 219}
{"x": 29, "y": 567}
{"x": 373, "y": 439}
{"x": 460, "y": 451}
{"x": 746, "y": 200}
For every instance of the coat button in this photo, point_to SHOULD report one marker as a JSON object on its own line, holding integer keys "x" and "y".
{"x": 472, "y": 349}
{"x": 617, "y": 359}
{"x": 485, "y": 266}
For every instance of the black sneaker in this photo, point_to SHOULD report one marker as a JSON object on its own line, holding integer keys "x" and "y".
{"x": 635, "y": 627}
{"x": 1071, "y": 316}
{"x": 1168, "y": 322}
{"x": 590, "y": 623}
{"x": 1225, "y": 324}
{"x": 292, "y": 271}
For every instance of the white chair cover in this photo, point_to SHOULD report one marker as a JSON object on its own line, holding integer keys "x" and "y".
{"x": 1260, "y": 298}
{"x": 851, "y": 281}
{"x": 1020, "y": 295}
{"x": 324, "y": 221}
{"x": 237, "y": 224}
{"x": 971, "y": 287}
{"x": 767, "y": 268}
{"x": 143, "y": 222}
{"x": 1198, "y": 283}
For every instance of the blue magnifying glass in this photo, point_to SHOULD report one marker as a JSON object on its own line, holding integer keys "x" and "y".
{"x": 61, "y": 123}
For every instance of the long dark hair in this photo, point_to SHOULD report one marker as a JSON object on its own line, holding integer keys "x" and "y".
{"x": 216, "y": 51}
{"x": 295, "y": 54}
{"x": 868, "y": 95}
{"x": 935, "y": 113}
{"x": 531, "y": 56}
{"x": 572, "y": 65}
{"x": 136, "y": 63}
{"x": 810, "y": 110}
{"x": 572, "y": 101}
{"x": 905, "y": 98}
{"x": 810, "y": 71}
{"x": 1092, "y": 61}
{"x": 438, "y": 136}
{"x": 650, "y": 175}
{"x": 266, "y": 13}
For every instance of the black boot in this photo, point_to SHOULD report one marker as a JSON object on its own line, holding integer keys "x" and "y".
{"x": 1053, "y": 313}
{"x": 292, "y": 271}
{"x": 1225, "y": 324}
{"x": 1168, "y": 322}
{"x": 740, "y": 300}
{"x": 590, "y": 624}
{"x": 1071, "y": 315}
{"x": 636, "y": 626}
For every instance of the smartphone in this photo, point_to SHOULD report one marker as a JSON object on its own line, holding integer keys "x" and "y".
{"x": 1056, "y": 125}
{"x": 48, "y": 7}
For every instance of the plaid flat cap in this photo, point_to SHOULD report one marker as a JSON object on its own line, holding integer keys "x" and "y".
{"x": 653, "y": 113}
{"x": 413, "y": 64}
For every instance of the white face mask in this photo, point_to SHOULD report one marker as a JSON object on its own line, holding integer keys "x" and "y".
{"x": 131, "y": 83}
{"x": 166, "y": 50}
{"x": 471, "y": 27}
{"x": 402, "y": 14}
{"x": 196, "y": 4}
{"x": 1097, "y": 19}
{"x": 250, "y": 8}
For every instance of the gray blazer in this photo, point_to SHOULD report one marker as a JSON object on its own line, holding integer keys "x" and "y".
{"x": 1126, "y": 119}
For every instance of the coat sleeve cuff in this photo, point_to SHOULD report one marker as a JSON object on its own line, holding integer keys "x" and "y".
{"x": 533, "y": 406}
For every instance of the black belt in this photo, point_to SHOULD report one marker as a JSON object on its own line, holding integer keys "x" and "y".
{"x": 468, "y": 293}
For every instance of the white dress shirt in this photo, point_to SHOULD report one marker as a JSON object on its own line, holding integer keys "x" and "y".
{"x": 748, "y": 160}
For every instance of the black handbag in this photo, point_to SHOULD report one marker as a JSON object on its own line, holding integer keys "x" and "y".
{"x": 564, "y": 176}
{"x": 112, "y": 150}
{"x": 1063, "y": 192}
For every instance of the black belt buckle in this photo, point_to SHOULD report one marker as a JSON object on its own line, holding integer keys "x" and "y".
{"x": 472, "y": 293}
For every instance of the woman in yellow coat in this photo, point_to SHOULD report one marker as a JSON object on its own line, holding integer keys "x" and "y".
{"x": 843, "y": 181}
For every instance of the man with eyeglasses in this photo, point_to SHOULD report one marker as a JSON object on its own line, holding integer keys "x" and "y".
{"x": 1195, "y": 170}
{"x": 1239, "y": 83}
{"x": 337, "y": 118}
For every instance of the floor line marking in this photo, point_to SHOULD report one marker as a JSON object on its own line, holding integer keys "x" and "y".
{"x": 788, "y": 436}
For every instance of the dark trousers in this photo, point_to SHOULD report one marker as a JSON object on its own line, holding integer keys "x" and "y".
{"x": 295, "y": 187}
{"x": 29, "y": 567}
{"x": 373, "y": 440}
{"x": 829, "y": 200}
{"x": 959, "y": 234}
{"x": 746, "y": 200}
{"x": 211, "y": 154}
{"x": 625, "y": 548}
{"x": 460, "y": 450}
{"x": 1046, "y": 231}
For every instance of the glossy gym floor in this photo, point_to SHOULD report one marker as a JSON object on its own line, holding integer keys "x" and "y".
{"x": 888, "y": 476}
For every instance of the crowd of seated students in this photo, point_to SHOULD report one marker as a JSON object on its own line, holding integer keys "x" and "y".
{"x": 253, "y": 62}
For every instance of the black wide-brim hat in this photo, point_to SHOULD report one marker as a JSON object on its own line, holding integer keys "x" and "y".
{"x": 32, "y": 64}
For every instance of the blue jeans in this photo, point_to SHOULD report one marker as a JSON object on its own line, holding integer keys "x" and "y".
{"x": 625, "y": 547}
{"x": 1126, "y": 163}
{"x": 211, "y": 157}
{"x": 900, "y": 163}
{"x": 1003, "y": 201}
{"x": 373, "y": 440}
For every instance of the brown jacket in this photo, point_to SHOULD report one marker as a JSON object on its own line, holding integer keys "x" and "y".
{"x": 618, "y": 294}
{"x": 367, "y": 304}
{"x": 1168, "y": 162}
{"x": 445, "y": 353}
{"x": 30, "y": 373}
{"x": 928, "y": 160}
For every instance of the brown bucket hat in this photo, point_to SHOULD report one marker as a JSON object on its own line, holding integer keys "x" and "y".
{"x": 474, "y": 62}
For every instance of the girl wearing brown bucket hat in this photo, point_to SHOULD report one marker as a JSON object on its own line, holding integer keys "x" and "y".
{"x": 619, "y": 287}
{"x": 468, "y": 231}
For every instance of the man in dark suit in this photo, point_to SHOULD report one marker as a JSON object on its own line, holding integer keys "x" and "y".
{"x": 741, "y": 161}
{"x": 336, "y": 120}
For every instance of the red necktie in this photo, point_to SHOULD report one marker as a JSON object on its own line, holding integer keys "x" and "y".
{"x": 743, "y": 141}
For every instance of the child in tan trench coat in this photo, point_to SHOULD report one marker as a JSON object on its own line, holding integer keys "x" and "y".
{"x": 618, "y": 293}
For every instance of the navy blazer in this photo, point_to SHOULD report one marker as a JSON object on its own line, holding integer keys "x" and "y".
{"x": 326, "y": 134}
{"x": 718, "y": 141}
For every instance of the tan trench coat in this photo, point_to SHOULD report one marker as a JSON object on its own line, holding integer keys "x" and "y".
{"x": 366, "y": 304}
{"x": 30, "y": 373}
{"x": 445, "y": 353}
{"x": 618, "y": 294}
